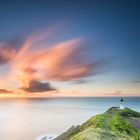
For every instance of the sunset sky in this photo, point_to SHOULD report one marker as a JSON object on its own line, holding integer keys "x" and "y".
{"x": 52, "y": 48}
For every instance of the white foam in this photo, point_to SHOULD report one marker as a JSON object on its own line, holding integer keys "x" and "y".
{"x": 46, "y": 137}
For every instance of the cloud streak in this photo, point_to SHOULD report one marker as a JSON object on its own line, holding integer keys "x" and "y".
{"x": 3, "y": 91}
{"x": 136, "y": 81}
{"x": 7, "y": 52}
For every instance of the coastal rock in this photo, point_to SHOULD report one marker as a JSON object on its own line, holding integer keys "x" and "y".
{"x": 68, "y": 133}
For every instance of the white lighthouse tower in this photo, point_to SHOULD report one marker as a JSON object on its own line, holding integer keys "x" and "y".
{"x": 122, "y": 104}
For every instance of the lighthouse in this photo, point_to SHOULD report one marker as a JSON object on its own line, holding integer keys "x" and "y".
{"x": 122, "y": 104}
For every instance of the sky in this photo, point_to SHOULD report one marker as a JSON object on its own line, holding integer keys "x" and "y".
{"x": 69, "y": 48}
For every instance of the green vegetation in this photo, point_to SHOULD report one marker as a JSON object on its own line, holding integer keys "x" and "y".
{"x": 129, "y": 113}
{"x": 121, "y": 125}
{"x": 99, "y": 121}
{"x": 98, "y": 134}
{"x": 111, "y": 125}
{"x": 124, "y": 112}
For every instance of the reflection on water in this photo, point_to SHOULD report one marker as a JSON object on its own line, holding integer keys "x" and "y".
{"x": 26, "y": 119}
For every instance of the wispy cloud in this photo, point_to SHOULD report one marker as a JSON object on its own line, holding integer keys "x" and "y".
{"x": 118, "y": 92}
{"x": 2, "y": 91}
{"x": 36, "y": 61}
{"x": 7, "y": 52}
{"x": 136, "y": 81}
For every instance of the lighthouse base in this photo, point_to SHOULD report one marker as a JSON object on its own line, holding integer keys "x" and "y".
{"x": 122, "y": 107}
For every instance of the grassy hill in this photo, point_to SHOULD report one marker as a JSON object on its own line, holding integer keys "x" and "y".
{"x": 114, "y": 124}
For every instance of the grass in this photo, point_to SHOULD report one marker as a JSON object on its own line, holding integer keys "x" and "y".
{"x": 121, "y": 125}
{"x": 99, "y": 134}
{"x": 111, "y": 125}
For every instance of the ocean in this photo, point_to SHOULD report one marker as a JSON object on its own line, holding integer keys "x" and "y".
{"x": 27, "y": 119}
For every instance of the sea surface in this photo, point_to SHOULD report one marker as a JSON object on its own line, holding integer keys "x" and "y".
{"x": 27, "y": 119}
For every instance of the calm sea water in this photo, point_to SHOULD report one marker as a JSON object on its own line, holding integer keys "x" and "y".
{"x": 26, "y": 119}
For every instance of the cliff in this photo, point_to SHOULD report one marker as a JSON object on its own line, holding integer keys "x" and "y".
{"x": 114, "y": 124}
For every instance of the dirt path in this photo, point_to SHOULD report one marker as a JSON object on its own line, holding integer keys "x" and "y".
{"x": 135, "y": 122}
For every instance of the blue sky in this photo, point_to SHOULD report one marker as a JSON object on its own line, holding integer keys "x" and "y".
{"x": 111, "y": 28}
